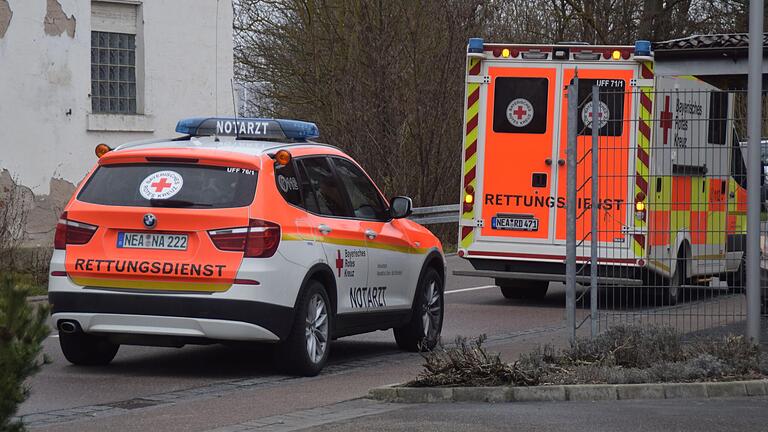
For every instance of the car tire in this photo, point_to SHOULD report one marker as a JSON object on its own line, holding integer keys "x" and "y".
{"x": 84, "y": 349}
{"x": 305, "y": 351}
{"x": 422, "y": 333}
{"x": 515, "y": 289}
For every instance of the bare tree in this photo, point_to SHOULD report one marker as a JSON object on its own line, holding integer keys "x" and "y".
{"x": 384, "y": 79}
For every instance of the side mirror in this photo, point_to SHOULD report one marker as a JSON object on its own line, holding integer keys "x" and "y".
{"x": 402, "y": 207}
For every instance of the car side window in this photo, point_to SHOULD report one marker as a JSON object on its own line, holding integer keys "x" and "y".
{"x": 288, "y": 183}
{"x": 328, "y": 197}
{"x": 363, "y": 195}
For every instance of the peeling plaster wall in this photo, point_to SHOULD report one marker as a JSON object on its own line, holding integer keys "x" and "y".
{"x": 5, "y": 16}
{"x": 57, "y": 22}
{"x": 45, "y": 142}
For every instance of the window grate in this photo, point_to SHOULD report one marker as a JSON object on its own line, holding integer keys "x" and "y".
{"x": 113, "y": 73}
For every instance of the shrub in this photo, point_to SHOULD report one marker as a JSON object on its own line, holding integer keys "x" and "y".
{"x": 22, "y": 330}
{"x": 627, "y": 346}
{"x": 467, "y": 363}
{"x": 621, "y": 355}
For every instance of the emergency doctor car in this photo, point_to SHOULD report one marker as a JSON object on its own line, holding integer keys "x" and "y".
{"x": 239, "y": 230}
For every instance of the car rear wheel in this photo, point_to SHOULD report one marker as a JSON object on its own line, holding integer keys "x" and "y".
{"x": 523, "y": 289}
{"x": 306, "y": 349}
{"x": 87, "y": 350}
{"x": 423, "y": 330}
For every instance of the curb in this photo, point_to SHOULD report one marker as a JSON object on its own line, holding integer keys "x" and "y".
{"x": 585, "y": 392}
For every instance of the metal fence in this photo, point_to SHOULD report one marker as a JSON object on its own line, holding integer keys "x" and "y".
{"x": 657, "y": 205}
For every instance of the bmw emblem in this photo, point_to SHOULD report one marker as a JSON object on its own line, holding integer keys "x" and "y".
{"x": 150, "y": 220}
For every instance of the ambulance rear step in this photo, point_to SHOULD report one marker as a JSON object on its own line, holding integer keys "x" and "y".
{"x": 581, "y": 279}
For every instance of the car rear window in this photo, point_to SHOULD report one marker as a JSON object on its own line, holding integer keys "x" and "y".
{"x": 170, "y": 185}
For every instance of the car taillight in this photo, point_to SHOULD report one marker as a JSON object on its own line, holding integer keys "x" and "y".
{"x": 72, "y": 232}
{"x": 258, "y": 240}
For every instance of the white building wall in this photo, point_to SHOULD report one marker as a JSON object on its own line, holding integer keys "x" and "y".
{"x": 45, "y": 81}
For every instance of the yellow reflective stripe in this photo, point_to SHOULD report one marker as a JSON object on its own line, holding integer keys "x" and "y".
{"x": 660, "y": 265}
{"x": 151, "y": 285}
{"x": 356, "y": 243}
{"x": 709, "y": 257}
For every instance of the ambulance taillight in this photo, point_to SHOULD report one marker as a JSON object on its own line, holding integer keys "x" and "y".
{"x": 259, "y": 239}
{"x": 640, "y": 210}
{"x": 72, "y": 232}
{"x": 469, "y": 198}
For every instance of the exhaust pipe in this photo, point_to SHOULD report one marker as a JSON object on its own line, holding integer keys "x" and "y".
{"x": 69, "y": 327}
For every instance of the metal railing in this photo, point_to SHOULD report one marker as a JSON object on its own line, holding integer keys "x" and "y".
{"x": 436, "y": 214}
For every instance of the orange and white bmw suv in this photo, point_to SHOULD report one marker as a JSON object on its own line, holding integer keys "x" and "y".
{"x": 239, "y": 230}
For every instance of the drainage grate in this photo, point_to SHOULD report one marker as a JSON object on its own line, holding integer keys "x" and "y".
{"x": 131, "y": 404}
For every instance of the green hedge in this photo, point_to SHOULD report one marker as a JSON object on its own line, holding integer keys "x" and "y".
{"x": 22, "y": 331}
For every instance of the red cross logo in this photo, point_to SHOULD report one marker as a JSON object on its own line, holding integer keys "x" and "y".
{"x": 161, "y": 185}
{"x": 520, "y": 112}
{"x": 666, "y": 119}
{"x": 339, "y": 262}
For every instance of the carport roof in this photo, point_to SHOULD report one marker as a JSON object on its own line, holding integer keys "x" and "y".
{"x": 710, "y": 41}
{"x": 720, "y": 59}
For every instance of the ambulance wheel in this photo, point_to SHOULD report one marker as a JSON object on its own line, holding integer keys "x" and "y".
{"x": 423, "y": 330}
{"x": 737, "y": 280}
{"x": 84, "y": 349}
{"x": 674, "y": 288}
{"x": 523, "y": 289}
{"x": 305, "y": 351}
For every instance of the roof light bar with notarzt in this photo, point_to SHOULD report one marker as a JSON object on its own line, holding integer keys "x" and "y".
{"x": 249, "y": 128}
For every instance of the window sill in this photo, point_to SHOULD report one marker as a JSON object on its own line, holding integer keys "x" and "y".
{"x": 120, "y": 123}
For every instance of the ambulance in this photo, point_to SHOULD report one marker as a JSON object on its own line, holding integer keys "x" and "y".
{"x": 671, "y": 180}
{"x": 239, "y": 231}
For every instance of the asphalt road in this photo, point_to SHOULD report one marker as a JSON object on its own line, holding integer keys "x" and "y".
{"x": 723, "y": 415}
{"x": 208, "y": 387}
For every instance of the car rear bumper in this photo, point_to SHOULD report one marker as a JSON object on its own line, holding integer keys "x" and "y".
{"x": 212, "y": 318}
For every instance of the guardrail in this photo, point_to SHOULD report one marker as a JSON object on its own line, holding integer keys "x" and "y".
{"x": 436, "y": 214}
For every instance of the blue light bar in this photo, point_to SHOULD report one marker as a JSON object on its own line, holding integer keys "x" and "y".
{"x": 475, "y": 45}
{"x": 642, "y": 48}
{"x": 249, "y": 128}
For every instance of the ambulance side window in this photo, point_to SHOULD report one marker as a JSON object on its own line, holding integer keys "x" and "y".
{"x": 520, "y": 105}
{"x": 738, "y": 167}
{"x": 327, "y": 191}
{"x": 288, "y": 183}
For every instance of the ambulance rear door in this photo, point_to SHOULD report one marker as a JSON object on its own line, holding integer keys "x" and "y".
{"x": 618, "y": 121}
{"x": 518, "y": 163}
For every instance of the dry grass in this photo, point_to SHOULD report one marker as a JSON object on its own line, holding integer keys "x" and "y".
{"x": 621, "y": 355}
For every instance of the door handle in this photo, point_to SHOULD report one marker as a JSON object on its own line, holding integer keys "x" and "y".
{"x": 324, "y": 229}
{"x": 371, "y": 234}
{"x": 732, "y": 194}
{"x": 548, "y": 161}
{"x": 561, "y": 162}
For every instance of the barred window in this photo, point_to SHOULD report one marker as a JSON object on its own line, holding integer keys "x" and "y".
{"x": 113, "y": 73}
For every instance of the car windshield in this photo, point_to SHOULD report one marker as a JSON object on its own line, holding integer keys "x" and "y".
{"x": 170, "y": 185}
